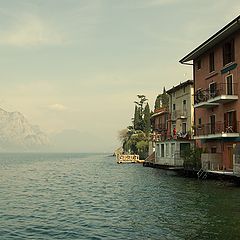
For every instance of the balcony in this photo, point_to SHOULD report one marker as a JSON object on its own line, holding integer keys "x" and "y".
{"x": 161, "y": 127}
{"x": 159, "y": 136}
{"x": 216, "y": 94}
{"x": 178, "y": 114}
{"x": 217, "y": 130}
{"x": 160, "y": 111}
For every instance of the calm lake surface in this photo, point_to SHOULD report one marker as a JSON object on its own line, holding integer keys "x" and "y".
{"x": 89, "y": 196}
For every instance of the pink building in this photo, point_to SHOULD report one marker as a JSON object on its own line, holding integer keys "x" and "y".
{"x": 216, "y": 69}
{"x": 160, "y": 124}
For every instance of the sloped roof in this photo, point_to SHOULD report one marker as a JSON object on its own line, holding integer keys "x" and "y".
{"x": 179, "y": 86}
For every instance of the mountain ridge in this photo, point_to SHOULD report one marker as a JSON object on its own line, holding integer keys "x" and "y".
{"x": 17, "y": 134}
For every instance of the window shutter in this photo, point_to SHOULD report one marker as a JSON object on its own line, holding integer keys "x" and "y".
{"x": 225, "y": 121}
{"x": 235, "y": 121}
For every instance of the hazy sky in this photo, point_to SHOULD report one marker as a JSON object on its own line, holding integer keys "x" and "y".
{"x": 79, "y": 64}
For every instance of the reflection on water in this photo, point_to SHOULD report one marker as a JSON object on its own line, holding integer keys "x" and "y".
{"x": 89, "y": 196}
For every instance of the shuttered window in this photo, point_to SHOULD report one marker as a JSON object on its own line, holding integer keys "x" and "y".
{"x": 211, "y": 62}
{"x": 228, "y": 52}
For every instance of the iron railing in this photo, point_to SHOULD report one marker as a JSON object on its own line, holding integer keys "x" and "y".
{"x": 178, "y": 114}
{"x": 217, "y": 128}
{"x": 218, "y": 89}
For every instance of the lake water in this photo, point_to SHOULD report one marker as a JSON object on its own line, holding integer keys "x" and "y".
{"x": 89, "y": 196}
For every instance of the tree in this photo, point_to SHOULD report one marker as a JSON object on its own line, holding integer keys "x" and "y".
{"x": 192, "y": 158}
{"x": 134, "y": 138}
{"x": 138, "y": 114}
{"x": 142, "y": 147}
{"x": 146, "y": 119}
{"x": 165, "y": 99}
{"x": 157, "y": 102}
{"x": 137, "y": 119}
{"x": 162, "y": 100}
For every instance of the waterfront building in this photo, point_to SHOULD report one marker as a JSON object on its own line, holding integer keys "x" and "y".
{"x": 172, "y": 126}
{"x": 216, "y": 98}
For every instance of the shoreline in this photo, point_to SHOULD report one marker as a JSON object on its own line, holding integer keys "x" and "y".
{"x": 193, "y": 173}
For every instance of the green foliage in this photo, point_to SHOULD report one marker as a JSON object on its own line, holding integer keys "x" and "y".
{"x": 192, "y": 158}
{"x": 162, "y": 100}
{"x": 135, "y": 138}
{"x": 138, "y": 121}
{"x": 165, "y": 99}
{"x": 146, "y": 119}
{"x": 137, "y": 124}
{"x": 138, "y": 144}
{"x": 142, "y": 147}
{"x": 157, "y": 102}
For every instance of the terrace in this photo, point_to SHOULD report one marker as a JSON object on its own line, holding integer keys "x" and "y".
{"x": 214, "y": 95}
{"x": 217, "y": 130}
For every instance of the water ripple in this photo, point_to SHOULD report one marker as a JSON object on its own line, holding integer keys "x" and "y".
{"x": 89, "y": 196}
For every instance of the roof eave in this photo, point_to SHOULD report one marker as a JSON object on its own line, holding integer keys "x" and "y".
{"x": 213, "y": 40}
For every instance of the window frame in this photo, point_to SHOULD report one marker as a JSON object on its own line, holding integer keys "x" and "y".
{"x": 232, "y": 86}
{"x": 211, "y": 61}
{"x": 228, "y": 51}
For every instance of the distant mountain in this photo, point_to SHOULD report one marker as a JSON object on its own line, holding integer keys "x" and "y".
{"x": 17, "y": 134}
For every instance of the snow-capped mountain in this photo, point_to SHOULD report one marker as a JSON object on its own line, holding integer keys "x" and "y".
{"x": 17, "y": 134}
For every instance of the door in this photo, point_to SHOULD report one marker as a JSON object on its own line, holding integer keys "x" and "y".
{"x": 229, "y": 82}
{"x": 212, "y": 124}
{"x": 230, "y": 122}
{"x": 230, "y": 156}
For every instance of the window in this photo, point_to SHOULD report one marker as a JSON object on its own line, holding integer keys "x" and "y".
{"x": 184, "y": 89}
{"x": 212, "y": 124}
{"x": 184, "y": 147}
{"x": 162, "y": 150}
{"x": 211, "y": 62}
{"x": 213, "y": 150}
{"x": 200, "y": 121}
{"x": 167, "y": 149}
{"x": 174, "y": 107}
{"x": 199, "y": 64}
{"x": 229, "y": 85}
{"x": 184, "y": 128}
{"x": 230, "y": 121}
{"x": 173, "y": 148}
{"x": 184, "y": 105}
{"x": 213, "y": 89}
{"x": 228, "y": 52}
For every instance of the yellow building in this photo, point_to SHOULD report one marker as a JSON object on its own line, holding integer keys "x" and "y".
{"x": 170, "y": 149}
{"x": 181, "y": 100}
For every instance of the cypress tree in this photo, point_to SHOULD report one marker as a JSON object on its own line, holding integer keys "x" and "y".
{"x": 147, "y": 121}
{"x": 165, "y": 99}
{"x": 137, "y": 118}
{"x": 157, "y": 102}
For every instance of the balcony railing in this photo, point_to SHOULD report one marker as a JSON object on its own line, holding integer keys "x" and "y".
{"x": 160, "y": 127}
{"x": 219, "y": 89}
{"x": 217, "y": 128}
{"x": 178, "y": 114}
{"x": 157, "y": 136}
